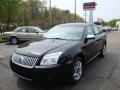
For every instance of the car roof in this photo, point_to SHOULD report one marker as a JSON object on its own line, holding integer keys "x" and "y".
{"x": 37, "y": 28}
{"x": 84, "y": 24}
{"x": 30, "y": 27}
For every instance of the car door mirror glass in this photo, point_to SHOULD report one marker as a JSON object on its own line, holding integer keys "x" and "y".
{"x": 90, "y": 36}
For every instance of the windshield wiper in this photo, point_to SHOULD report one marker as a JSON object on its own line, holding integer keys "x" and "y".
{"x": 56, "y": 38}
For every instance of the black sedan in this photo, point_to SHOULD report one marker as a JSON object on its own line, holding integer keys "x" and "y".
{"x": 61, "y": 54}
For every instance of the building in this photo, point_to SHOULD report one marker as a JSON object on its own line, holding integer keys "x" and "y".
{"x": 118, "y": 25}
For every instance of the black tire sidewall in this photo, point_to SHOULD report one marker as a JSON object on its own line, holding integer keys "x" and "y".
{"x": 12, "y": 41}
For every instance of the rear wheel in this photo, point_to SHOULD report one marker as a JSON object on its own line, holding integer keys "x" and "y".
{"x": 76, "y": 71}
{"x": 14, "y": 40}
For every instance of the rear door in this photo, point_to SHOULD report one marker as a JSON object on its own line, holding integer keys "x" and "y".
{"x": 34, "y": 33}
{"x": 21, "y": 33}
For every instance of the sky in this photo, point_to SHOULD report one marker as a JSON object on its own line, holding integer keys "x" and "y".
{"x": 106, "y": 9}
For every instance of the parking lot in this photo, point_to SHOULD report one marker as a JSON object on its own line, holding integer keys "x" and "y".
{"x": 101, "y": 74}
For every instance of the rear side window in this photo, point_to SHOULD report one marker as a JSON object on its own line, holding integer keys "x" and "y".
{"x": 22, "y": 30}
{"x": 96, "y": 30}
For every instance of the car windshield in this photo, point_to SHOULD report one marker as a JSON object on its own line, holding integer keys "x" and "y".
{"x": 68, "y": 32}
{"x": 15, "y": 30}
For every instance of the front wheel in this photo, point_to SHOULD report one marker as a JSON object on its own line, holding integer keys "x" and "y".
{"x": 14, "y": 40}
{"x": 76, "y": 71}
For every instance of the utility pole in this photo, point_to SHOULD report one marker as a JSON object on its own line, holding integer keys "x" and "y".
{"x": 75, "y": 11}
{"x": 85, "y": 16}
{"x": 50, "y": 14}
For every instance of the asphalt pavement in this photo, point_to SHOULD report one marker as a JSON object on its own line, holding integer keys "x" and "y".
{"x": 101, "y": 74}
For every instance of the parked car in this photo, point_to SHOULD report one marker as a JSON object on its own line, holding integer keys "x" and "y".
{"x": 61, "y": 54}
{"x": 102, "y": 28}
{"x": 107, "y": 28}
{"x": 114, "y": 29}
{"x": 25, "y": 33}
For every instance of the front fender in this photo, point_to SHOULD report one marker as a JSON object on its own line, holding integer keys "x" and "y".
{"x": 71, "y": 54}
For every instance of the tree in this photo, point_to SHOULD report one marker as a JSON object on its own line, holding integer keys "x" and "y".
{"x": 9, "y": 10}
{"x": 35, "y": 12}
{"x": 112, "y": 23}
{"x": 103, "y": 23}
{"x": 32, "y": 12}
{"x": 63, "y": 16}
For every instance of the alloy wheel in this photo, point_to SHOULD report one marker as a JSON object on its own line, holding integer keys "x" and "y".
{"x": 77, "y": 71}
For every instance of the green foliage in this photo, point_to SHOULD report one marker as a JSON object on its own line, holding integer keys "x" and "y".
{"x": 9, "y": 10}
{"x": 1, "y": 40}
{"x": 103, "y": 23}
{"x": 112, "y": 23}
{"x": 63, "y": 16}
{"x": 32, "y": 12}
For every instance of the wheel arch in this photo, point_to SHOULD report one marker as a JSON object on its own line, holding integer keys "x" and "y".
{"x": 13, "y": 37}
{"x": 82, "y": 56}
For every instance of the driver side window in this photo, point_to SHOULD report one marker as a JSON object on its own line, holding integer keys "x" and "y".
{"x": 96, "y": 30}
{"x": 31, "y": 30}
{"x": 89, "y": 30}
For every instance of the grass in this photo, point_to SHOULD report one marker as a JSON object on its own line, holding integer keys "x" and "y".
{"x": 1, "y": 40}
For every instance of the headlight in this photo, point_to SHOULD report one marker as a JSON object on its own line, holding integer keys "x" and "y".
{"x": 50, "y": 59}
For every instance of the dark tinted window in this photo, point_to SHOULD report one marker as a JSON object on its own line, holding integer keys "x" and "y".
{"x": 96, "y": 30}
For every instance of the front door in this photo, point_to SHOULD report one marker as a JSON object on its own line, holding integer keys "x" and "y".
{"x": 99, "y": 38}
{"x": 90, "y": 45}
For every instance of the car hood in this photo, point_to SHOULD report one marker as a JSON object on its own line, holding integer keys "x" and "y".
{"x": 44, "y": 46}
{"x": 8, "y": 33}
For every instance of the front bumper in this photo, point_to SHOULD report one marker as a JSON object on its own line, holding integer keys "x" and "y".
{"x": 42, "y": 73}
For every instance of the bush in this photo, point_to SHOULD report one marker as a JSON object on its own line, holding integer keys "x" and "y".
{"x": 1, "y": 40}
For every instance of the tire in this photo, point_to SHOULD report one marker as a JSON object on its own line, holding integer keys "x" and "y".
{"x": 103, "y": 51}
{"x": 76, "y": 71}
{"x": 14, "y": 40}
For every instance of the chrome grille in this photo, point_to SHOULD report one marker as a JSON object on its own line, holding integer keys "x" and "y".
{"x": 25, "y": 61}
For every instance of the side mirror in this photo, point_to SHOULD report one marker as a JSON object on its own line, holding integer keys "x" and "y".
{"x": 37, "y": 32}
{"x": 89, "y": 37}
